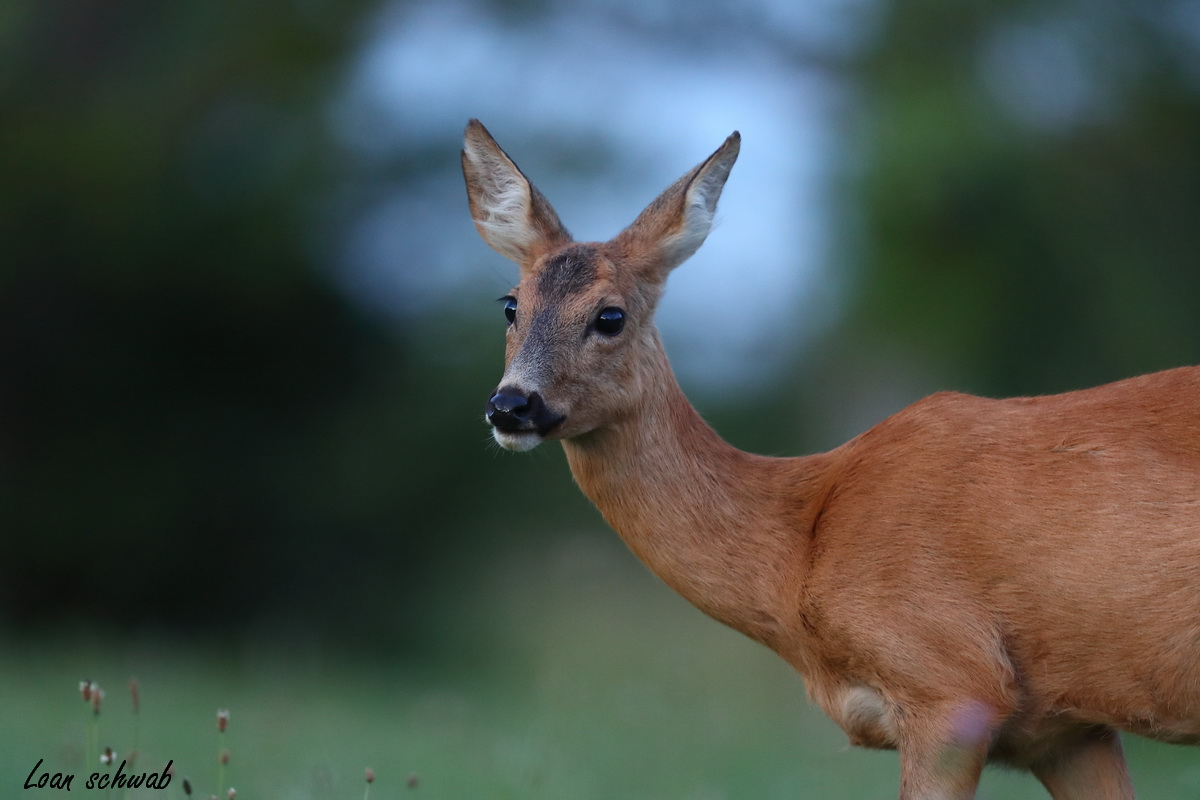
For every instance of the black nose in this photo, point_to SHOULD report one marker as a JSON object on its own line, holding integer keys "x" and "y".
{"x": 512, "y": 410}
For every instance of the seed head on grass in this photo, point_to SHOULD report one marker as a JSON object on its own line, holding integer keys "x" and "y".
{"x": 94, "y": 695}
{"x": 370, "y": 780}
{"x": 187, "y": 787}
{"x": 222, "y": 751}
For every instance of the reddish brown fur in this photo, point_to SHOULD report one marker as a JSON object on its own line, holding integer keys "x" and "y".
{"x": 970, "y": 580}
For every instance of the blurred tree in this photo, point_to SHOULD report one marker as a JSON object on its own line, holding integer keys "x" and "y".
{"x": 195, "y": 426}
{"x": 1031, "y": 182}
{"x": 164, "y": 343}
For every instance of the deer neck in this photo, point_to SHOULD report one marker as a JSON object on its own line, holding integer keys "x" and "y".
{"x": 724, "y": 528}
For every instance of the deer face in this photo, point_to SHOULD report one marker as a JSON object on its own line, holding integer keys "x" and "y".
{"x": 580, "y": 328}
{"x": 575, "y": 336}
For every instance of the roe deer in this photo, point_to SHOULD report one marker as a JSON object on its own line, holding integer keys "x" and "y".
{"x": 971, "y": 580}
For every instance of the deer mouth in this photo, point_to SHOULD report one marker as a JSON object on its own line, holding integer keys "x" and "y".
{"x": 520, "y": 420}
{"x": 517, "y": 441}
{"x": 525, "y": 435}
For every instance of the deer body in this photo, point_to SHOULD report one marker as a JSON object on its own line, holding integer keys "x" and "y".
{"x": 970, "y": 580}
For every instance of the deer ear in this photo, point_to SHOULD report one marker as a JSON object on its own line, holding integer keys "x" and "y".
{"x": 509, "y": 212}
{"x": 674, "y": 226}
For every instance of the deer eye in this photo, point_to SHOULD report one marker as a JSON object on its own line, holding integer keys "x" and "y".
{"x": 510, "y": 309}
{"x": 610, "y": 321}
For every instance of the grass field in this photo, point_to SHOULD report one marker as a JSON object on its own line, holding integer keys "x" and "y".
{"x": 571, "y": 675}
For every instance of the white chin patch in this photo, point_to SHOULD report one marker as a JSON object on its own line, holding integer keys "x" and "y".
{"x": 518, "y": 442}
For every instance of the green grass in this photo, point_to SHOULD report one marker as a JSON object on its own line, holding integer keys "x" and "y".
{"x": 566, "y": 676}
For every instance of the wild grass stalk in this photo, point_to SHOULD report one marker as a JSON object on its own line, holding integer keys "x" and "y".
{"x": 222, "y": 750}
{"x": 136, "y": 700}
{"x": 92, "y": 695}
{"x": 104, "y": 759}
{"x": 135, "y": 697}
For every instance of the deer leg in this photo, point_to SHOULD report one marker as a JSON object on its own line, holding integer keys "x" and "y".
{"x": 942, "y": 756}
{"x": 1091, "y": 767}
{"x": 942, "y": 771}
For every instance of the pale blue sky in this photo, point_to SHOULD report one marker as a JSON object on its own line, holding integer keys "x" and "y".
{"x": 609, "y": 72}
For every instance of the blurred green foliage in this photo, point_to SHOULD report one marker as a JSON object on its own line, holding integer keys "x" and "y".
{"x": 1030, "y": 186}
{"x": 196, "y": 428}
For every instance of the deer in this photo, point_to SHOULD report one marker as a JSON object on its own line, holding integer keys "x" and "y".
{"x": 971, "y": 581}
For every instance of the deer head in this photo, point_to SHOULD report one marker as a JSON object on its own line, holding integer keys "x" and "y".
{"x": 582, "y": 349}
